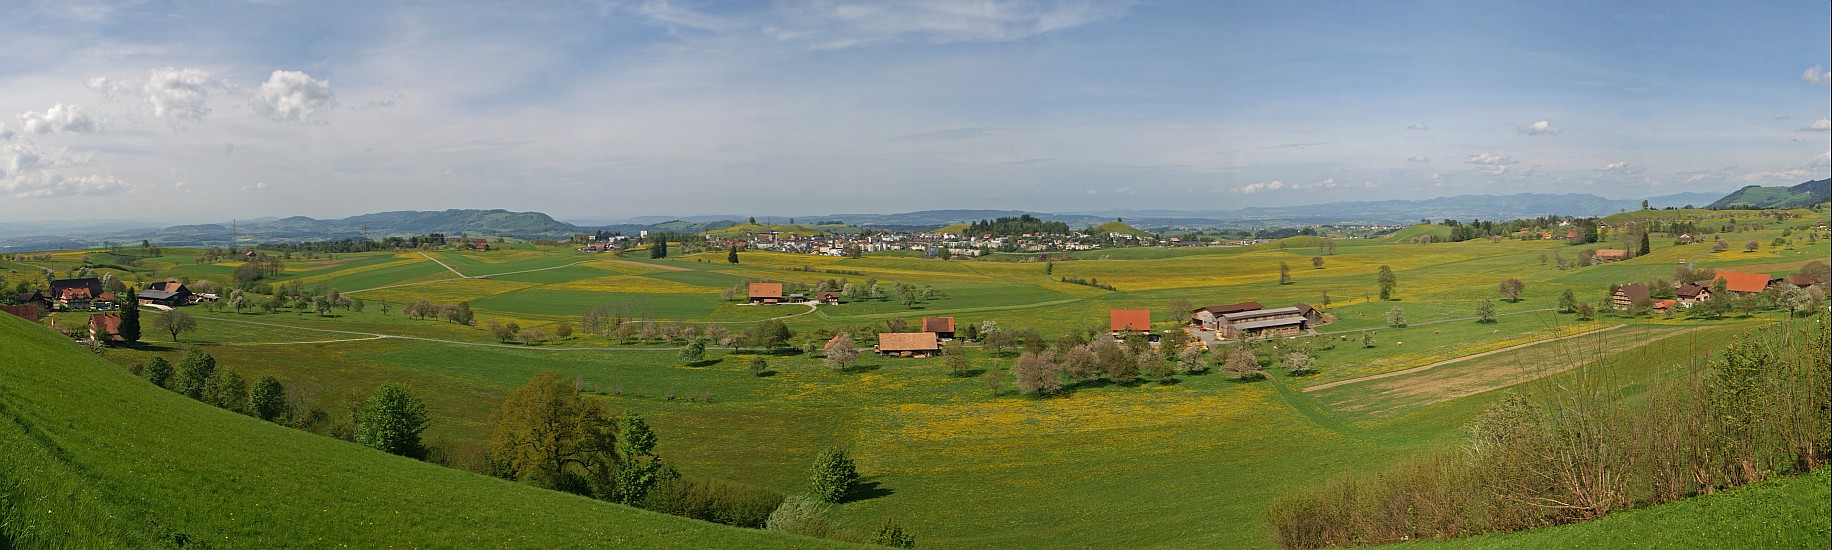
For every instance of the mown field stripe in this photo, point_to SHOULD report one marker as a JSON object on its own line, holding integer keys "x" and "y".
{"x": 1456, "y": 360}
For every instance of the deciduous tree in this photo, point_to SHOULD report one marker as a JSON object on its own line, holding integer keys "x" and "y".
{"x": 268, "y": 399}
{"x": 1387, "y": 281}
{"x": 391, "y": 420}
{"x": 1284, "y": 273}
{"x": 841, "y": 352}
{"x": 547, "y": 435}
{"x": 833, "y": 476}
{"x": 194, "y": 372}
{"x": 1396, "y": 317}
{"x": 1485, "y": 311}
{"x": 157, "y": 371}
{"x": 174, "y": 322}
{"x": 1512, "y": 288}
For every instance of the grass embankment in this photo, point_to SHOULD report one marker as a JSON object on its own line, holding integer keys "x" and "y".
{"x": 95, "y": 458}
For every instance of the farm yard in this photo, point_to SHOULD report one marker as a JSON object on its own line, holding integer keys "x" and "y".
{"x": 962, "y": 458}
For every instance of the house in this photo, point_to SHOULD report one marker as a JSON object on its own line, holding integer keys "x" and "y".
{"x": 166, "y": 293}
{"x": 836, "y": 339}
{"x": 106, "y": 328}
{"x": 40, "y": 299}
{"x": 1627, "y": 295}
{"x": 908, "y": 344}
{"x": 480, "y": 245}
{"x": 74, "y": 294}
{"x": 766, "y": 293}
{"x": 828, "y": 298}
{"x": 1129, "y": 320}
{"x": 943, "y": 327}
{"x": 1210, "y": 317}
{"x": 797, "y": 298}
{"x": 1611, "y": 255}
{"x": 1746, "y": 283}
{"x": 1263, "y": 322}
{"x": 1691, "y": 293}
{"x": 1309, "y": 313}
{"x": 1802, "y": 281}
{"x": 1665, "y": 306}
{"x": 1684, "y": 238}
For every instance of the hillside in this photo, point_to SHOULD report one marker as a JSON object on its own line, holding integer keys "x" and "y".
{"x": 797, "y": 229}
{"x": 1797, "y": 196}
{"x": 1119, "y": 227}
{"x": 108, "y": 460}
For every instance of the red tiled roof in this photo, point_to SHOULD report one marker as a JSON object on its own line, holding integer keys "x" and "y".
{"x": 908, "y": 341}
{"x": 766, "y": 290}
{"x": 107, "y": 325}
{"x": 1744, "y": 282}
{"x": 1129, "y": 319}
{"x": 1800, "y": 280}
{"x": 938, "y": 324}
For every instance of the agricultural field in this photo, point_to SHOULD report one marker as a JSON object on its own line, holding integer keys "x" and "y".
{"x": 1187, "y": 463}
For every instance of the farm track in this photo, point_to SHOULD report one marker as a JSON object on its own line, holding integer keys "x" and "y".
{"x": 442, "y": 264}
{"x": 1456, "y": 360}
{"x": 463, "y": 276}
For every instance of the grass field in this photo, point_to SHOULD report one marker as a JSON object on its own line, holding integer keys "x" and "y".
{"x": 1184, "y": 465}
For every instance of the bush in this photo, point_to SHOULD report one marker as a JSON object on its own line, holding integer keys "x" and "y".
{"x": 715, "y": 501}
{"x": 834, "y": 476}
{"x": 801, "y": 515}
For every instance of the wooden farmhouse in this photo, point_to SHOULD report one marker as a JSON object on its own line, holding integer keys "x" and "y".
{"x": 908, "y": 344}
{"x": 1691, "y": 293}
{"x": 76, "y": 294}
{"x": 828, "y": 298}
{"x": 766, "y": 293}
{"x": 1746, "y": 283}
{"x": 1627, "y": 295}
{"x": 166, "y": 293}
{"x": 1210, "y": 317}
{"x": 106, "y": 328}
{"x": 1263, "y": 322}
{"x": 1611, "y": 255}
{"x": 943, "y": 327}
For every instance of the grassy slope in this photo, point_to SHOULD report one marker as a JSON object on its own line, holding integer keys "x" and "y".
{"x": 1780, "y": 513}
{"x": 98, "y": 458}
{"x": 1118, "y": 227}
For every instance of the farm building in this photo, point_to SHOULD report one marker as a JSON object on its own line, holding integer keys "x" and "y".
{"x": 1129, "y": 320}
{"x": 1690, "y": 293}
{"x": 1802, "y": 281}
{"x": 943, "y": 327}
{"x": 829, "y": 298}
{"x": 1611, "y": 255}
{"x": 1746, "y": 283}
{"x": 1210, "y": 317}
{"x": 766, "y": 293}
{"x": 106, "y": 328}
{"x": 1664, "y": 306}
{"x": 166, "y": 293}
{"x": 1627, "y": 295}
{"x": 30, "y": 312}
{"x": 1309, "y": 313}
{"x": 480, "y": 245}
{"x": 75, "y": 294}
{"x": 1263, "y": 322}
{"x": 908, "y": 344}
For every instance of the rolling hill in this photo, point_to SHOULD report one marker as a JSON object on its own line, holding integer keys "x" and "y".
{"x": 1797, "y": 196}
{"x": 97, "y": 458}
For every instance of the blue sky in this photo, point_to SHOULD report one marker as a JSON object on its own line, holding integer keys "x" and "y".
{"x": 199, "y": 111}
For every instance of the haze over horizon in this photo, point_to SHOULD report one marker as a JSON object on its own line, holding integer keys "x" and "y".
{"x": 598, "y": 110}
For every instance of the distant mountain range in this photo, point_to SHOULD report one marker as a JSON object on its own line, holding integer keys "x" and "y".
{"x": 1798, "y": 196}
{"x": 80, "y": 234}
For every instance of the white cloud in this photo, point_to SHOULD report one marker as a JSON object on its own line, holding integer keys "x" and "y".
{"x": 259, "y": 185}
{"x": 847, "y": 23}
{"x": 1822, "y": 159}
{"x": 1821, "y": 125}
{"x": 1540, "y": 127}
{"x": 1491, "y": 163}
{"x": 175, "y": 94}
{"x": 1614, "y": 166}
{"x": 1417, "y": 126}
{"x": 25, "y": 172}
{"x": 59, "y": 118}
{"x": 1417, "y": 158}
{"x": 1125, "y": 191}
{"x": 292, "y": 96}
{"x": 1252, "y": 188}
{"x": 1816, "y": 74}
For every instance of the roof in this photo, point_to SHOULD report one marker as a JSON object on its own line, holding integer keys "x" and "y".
{"x": 1690, "y": 290}
{"x": 108, "y": 324}
{"x": 1612, "y": 253}
{"x": 766, "y": 290}
{"x": 1245, "y": 315}
{"x": 1635, "y": 292}
{"x": 1801, "y": 280}
{"x": 1745, "y": 282}
{"x": 92, "y": 283}
{"x": 157, "y": 294}
{"x": 1232, "y": 308}
{"x": 1665, "y": 304}
{"x": 908, "y": 341}
{"x": 829, "y": 294}
{"x": 835, "y": 340}
{"x": 1129, "y": 319}
{"x": 168, "y": 285}
{"x": 1268, "y": 323}
{"x": 938, "y": 324}
{"x": 75, "y": 293}
{"x": 1303, "y": 308}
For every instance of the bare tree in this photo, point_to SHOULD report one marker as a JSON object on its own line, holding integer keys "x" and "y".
{"x": 175, "y": 322}
{"x": 1512, "y": 288}
{"x": 1035, "y": 374}
{"x": 841, "y": 352}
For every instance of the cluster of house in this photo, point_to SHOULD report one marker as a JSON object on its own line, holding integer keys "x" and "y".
{"x": 771, "y": 294}
{"x": 86, "y": 294}
{"x": 1233, "y": 321}
{"x": 1688, "y": 294}
{"x": 923, "y": 343}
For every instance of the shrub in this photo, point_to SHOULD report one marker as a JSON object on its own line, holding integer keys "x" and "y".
{"x": 801, "y": 515}
{"x": 715, "y": 501}
{"x": 834, "y": 475}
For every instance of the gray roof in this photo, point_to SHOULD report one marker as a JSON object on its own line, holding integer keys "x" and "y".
{"x": 1255, "y": 314}
{"x": 157, "y": 294}
{"x": 1250, "y": 325}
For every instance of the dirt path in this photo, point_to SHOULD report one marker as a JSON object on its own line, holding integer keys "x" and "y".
{"x": 463, "y": 276}
{"x": 1451, "y": 361}
{"x": 442, "y": 264}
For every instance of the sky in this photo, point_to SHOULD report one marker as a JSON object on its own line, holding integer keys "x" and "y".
{"x": 201, "y": 110}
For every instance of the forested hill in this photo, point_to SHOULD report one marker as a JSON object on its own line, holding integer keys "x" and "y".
{"x": 1797, "y": 196}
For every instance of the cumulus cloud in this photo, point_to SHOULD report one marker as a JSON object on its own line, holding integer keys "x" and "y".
{"x": 26, "y": 172}
{"x": 59, "y": 118}
{"x": 1417, "y": 126}
{"x": 1614, "y": 166}
{"x": 1276, "y": 185}
{"x": 1417, "y": 158}
{"x": 1491, "y": 163}
{"x": 178, "y": 94}
{"x": 1252, "y": 188}
{"x": 1821, "y": 125}
{"x": 849, "y": 23}
{"x": 1822, "y": 159}
{"x": 292, "y": 96}
{"x": 257, "y": 186}
{"x": 1539, "y": 127}
{"x": 1816, "y": 74}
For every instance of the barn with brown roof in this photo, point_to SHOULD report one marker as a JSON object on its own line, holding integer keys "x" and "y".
{"x": 1747, "y": 283}
{"x": 1210, "y": 317}
{"x": 943, "y": 327}
{"x": 1627, "y": 295}
{"x": 1128, "y": 320}
{"x": 908, "y": 344}
{"x": 766, "y": 293}
{"x": 106, "y": 328}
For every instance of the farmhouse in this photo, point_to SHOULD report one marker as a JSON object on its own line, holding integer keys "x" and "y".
{"x": 1210, "y": 317}
{"x": 75, "y": 294}
{"x": 829, "y": 298}
{"x": 166, "y": 293}
{"x": 1802, "y": 281}
{"x": 1129, "y": 320}
{"x": 1611, "y": 255}
{"x": 766, "y": 293}
{"x": 1690, "y": 293}
{"x": 1746, "y": 283}
{"x": 908, "y": 344}
{"x": 1263, "y": 322}
{"x": 1309, "y": 313}
{"x": 106, "y": 328}
{"x": 943, "y": 327}
{"x": 480, "y": 245}
{"x": 1627, "y": 295}
{"x": 1664, "y": 306}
